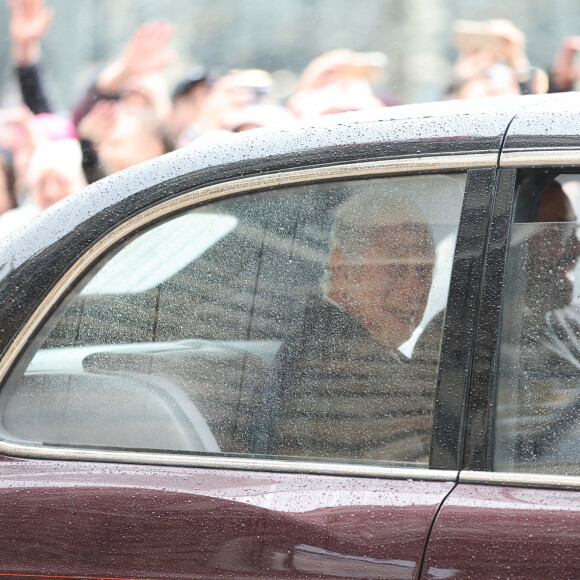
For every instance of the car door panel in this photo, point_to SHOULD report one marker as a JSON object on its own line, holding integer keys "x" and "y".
{"x": 515, "y": 511}
{"x": 173, "y": 522}
{"x": 110, "y": 514}
{"x": 487, "y": 531}
{"x": 111, "y": 520}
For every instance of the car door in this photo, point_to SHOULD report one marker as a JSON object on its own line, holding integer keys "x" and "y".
{"x": 516, "y": 510}
{"x": 156, "y": 421}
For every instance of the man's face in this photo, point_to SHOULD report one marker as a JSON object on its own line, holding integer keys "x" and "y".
{"x": 130, "y": 141}
{"x": 187, "y": 108}
{"x": 50, "y": 187}
{"x": 387, "y": 287}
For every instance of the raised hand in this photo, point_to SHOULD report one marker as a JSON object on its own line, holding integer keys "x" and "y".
{"x": 29, "y": 22}
{"x": 565, "y": 71}
{"x": 145, "y": 53}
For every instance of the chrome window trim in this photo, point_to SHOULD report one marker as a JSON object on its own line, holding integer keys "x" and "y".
{"x": 290, "y": 465}
{"x": 519, "y": 479}
{"x": 460, "y": 162}
{"x": 536, "y": 158}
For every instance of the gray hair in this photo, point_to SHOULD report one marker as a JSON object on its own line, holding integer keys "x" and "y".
{"x": 362, "y": 216}
{"x": 359, "y": 219}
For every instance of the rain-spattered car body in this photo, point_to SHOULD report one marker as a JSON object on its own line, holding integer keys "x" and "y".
{"x": 344, "y": 349}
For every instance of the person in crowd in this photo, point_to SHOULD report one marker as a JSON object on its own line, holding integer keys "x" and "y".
{"x": 121, "y": 119}
{"x": 257, "y": 116}
{"x": 135, "y": 76}
{"x": 133, "y": 81}
{"x": 565, "y": 72}
{"x": 134, "y": 136}
{"x": 29, "y": 22}
{"x": 499, "y": 80}
{"x": 492, "y": 61}
{"x": 224, "y": 101}
{"x": 188, "y": 98}
{"x": 115, "y": 136}
{"x": 336, "y": 82}
{"x": 372, "y": 298}
{"x": 7, "y": 183}
{"x": 18, "y": 141}
{"x": 54, "y": 172}
{"x": 21, "y": 133}
{"x": 93, "y": 128}
{"x": 131, "y": 90}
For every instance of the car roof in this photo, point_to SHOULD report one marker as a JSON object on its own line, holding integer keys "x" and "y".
{"x": 397, "y": 131}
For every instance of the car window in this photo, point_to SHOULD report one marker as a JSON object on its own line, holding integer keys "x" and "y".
{"x": 537, "y": 423}
{"x": 304, "y": 322}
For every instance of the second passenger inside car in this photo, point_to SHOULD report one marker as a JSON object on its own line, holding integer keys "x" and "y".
{"x": 538, "y": 402}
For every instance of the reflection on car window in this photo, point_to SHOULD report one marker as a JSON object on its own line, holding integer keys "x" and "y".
{"x": 160, "y": 254}
{"x": 538, "y": 401}
{"x": 300, "y": 323}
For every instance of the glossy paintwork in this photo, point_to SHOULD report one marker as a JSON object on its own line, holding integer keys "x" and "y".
{"x": 108, "y": 520}
{"x": 555, "y": 126}
{"x": 505, "y": 532}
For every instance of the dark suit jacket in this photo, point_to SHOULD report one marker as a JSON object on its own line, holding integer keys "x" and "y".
{"x": 337, "y": 393}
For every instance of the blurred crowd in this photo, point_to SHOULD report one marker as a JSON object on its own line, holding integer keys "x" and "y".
{"x": 129, "y": 114}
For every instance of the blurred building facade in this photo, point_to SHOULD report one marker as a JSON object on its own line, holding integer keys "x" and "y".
{"x": 285, "y": 35}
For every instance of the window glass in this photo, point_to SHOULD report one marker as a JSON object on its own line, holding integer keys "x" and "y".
{"x": 537, "y": 425}
{"x": 304, "y": 322}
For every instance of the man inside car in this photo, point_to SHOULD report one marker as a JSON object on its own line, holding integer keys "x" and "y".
{"x": 341, "y": 386}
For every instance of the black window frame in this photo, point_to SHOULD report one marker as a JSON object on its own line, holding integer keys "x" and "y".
{"x": 461, "y": 321}
{"x": 480, "y": 424}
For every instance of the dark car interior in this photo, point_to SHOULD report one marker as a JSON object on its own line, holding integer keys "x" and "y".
{"x": 538, "y": 398}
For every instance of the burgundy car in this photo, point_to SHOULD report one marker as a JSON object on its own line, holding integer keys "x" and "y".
{"x": 345, "y": 349}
